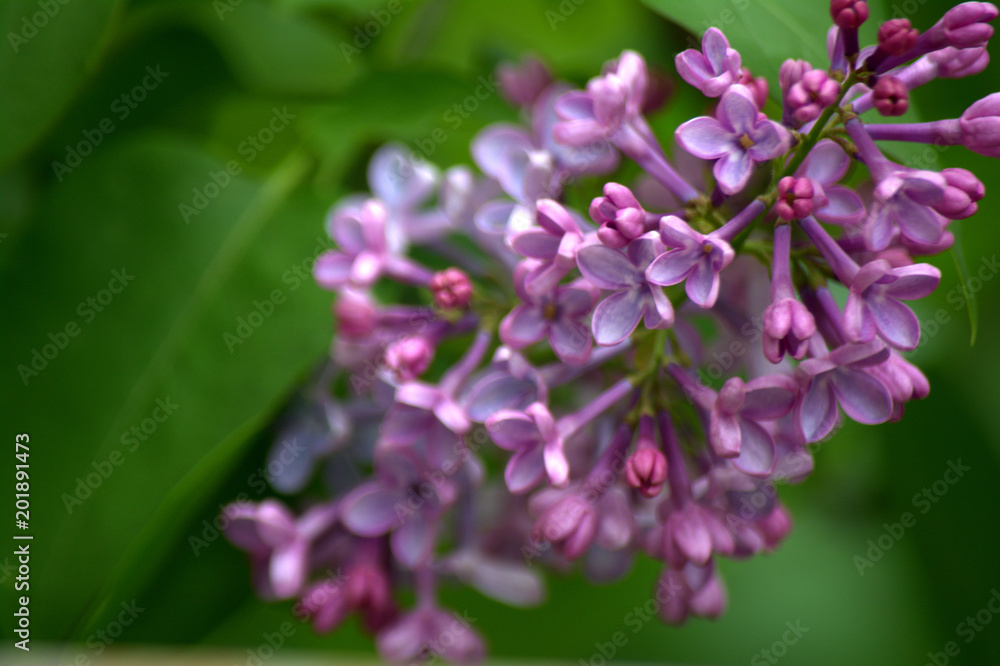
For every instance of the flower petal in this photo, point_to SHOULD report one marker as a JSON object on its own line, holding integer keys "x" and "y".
{"x": 617, "y": 316}
{"x": 571, "y": 341}
{"x": 702, "y": 285}
{"x": 525, "y": 470}
{"x": 757, "y": 451}
{"x": 733, "y": 171}
{"x": 413, "y": 541}
{"x": 525, "y": 325}
{"x": 896, "y": 323}
{"x": 706, "y": 138}
{"x": 370, "y": 509}
{"x": 673, "y": 266}
{"x": 606, "y": 268}
{"x": 816, "y": 411}
{"x": 513, "y": 430}
{"x": 863, "y": 398}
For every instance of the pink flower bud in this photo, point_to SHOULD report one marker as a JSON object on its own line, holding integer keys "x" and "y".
{"x": 451, "y": 289}
{"x": 409, "y": 357}
{"x": 849, "y": 14}
{"x": 897, "y": 36}
{"x": 646, "y": 470}
{"x": 891, "y": 96}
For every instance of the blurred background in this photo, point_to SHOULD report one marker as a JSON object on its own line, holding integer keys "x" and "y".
{"x": 165, "y": 169}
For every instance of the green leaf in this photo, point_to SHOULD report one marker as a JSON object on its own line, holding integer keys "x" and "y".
{"x": 279, "y": 52}
{"x": 139, "y": 384}
{"x": 44, "y": 61}
{"x": 958, "y": 255}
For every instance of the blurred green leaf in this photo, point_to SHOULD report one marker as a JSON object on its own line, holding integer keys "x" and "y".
{"x": 275, "y": 51}
{"x": 51, "y": 49}
{"x": 220, "y": 318}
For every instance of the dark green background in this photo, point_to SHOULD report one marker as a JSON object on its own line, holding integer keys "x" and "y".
{"x": 163, "y": 335}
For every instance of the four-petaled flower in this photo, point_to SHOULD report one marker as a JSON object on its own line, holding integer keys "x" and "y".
{"x": 738, "y": 137}
{"x": 634, "y": 297}
{"x": 694, "y": 257}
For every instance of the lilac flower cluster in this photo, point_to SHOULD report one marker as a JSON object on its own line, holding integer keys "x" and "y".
{"x": 484, "y": 322}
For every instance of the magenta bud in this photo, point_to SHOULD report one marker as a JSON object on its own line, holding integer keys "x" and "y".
{"x": 897, "y": 36}
{"x": 620, "y": 215}
{"x": 451, "y": 289}
{"x": 646, "y": 470}
{"x": 815, "y": 91}
{"x": 797, "y": 198}
{"x": 891, "y": 96}
{"x": 409, "y": 358}
{"x": 757, "y": 85}
{"x": 961, "y": 194}
{"x": 849, "y": 14}
{"x": 775, "y": 526}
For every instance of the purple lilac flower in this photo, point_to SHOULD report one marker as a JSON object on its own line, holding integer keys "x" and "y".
{"x": 412, "y": 506}
{"x": 840, "y": 377}
{"x": 538, "y": 439}
{"x": 278, "y": 542}
{"x": 873, "y": 304}
{"x": 738, "y": 138}
{"x": 634, "y": 297}
{"x": 553, "y": 243}
{"x": 697, "y": 259}
{"x": 713, "y": 69}
{"x": 559, "y": 316}
{"x": 401, "y": 501}
{"x": 429, "y": 631}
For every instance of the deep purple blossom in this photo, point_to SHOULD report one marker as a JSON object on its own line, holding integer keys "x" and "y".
{"x": 738, "y": 138}
{"x": 634, "y": 297}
